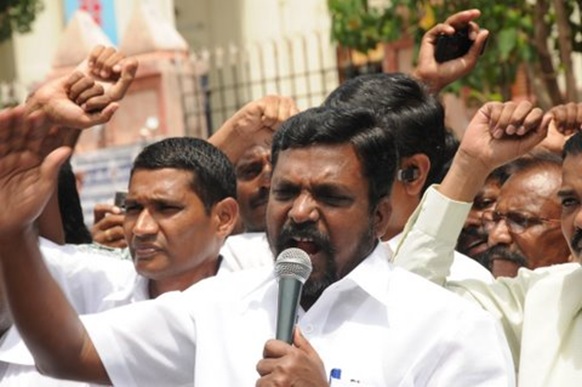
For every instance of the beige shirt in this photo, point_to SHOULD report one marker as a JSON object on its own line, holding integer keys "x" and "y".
{"x": 539, "y": 309}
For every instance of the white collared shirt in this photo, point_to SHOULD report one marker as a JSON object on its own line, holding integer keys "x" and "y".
{"x": 380, "y": 325}
{"x": 87, "y": 278}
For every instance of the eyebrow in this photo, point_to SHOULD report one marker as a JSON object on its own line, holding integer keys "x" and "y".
{"x": 565, "y": 192}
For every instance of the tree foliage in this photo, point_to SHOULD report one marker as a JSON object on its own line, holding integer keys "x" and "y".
{"x": 17, "y": 16}
{"x": 533, "y": 37}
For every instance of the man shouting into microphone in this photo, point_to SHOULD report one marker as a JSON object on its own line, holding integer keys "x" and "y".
{"x": 361, "y": 319}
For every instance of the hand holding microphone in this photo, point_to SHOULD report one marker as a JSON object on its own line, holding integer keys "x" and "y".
{"x": 298, "y": 364}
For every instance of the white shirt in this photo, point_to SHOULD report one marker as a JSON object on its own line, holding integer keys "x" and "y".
{"x": 91, "y": 281}
{"x": 381, "y": 325}
{"x": 463, "y": 267}
{"x": 252, "y": 250}
{"x": 540, "y": 310}
{"x": 245, "y": 251}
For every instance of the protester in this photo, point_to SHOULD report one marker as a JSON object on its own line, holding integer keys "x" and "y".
{"x": 246, "y": 139}
{"x": 473, "y": 238}
{"x": 181, "y": 207}
{"x": 524, "y": 226}
{"x": 331, "y": 198}
{"x": 539, "y": 309}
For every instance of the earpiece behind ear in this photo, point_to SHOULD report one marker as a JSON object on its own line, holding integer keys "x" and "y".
{"x": 408, "y": 175}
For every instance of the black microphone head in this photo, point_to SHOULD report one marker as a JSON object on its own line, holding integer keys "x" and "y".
{"x": 295, "y": 263}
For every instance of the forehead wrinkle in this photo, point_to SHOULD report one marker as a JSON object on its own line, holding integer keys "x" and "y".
{"x": 530, "y": 191}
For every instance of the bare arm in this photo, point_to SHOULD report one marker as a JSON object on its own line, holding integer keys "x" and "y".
{"x": 29, "y": 165}
{"x": 71, "y": 102}
{"x": 499, "y": 133}
{"x": 253, "y": 124}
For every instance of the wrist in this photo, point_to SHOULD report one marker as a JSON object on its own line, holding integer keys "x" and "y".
{"x": 430, "y": 81}
{"x": 464, "y": 179}
{"x": 11, "y": 239}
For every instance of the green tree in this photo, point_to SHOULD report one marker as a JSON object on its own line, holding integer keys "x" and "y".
{"x": 537, "y": 37}
{"x": 17, "y": 16}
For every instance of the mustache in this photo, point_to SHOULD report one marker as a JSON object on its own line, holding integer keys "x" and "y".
{"x": 478, "y": 231}
{"x": 501, "y": 252}
{"x": 293, "y": 231}
{"x": 575, "y": 242}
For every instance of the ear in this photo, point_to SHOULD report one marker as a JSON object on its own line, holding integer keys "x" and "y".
{"x": 381, "y": 216}
{"x": 420, "y": 163}
{"x": 225, "y": 214}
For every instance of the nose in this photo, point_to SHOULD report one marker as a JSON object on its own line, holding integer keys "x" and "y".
{"x": 474, "y": 218}
{"x": 304, "y": 209}
{"x": 145, "y": 224}
{"x": 499, "y": 234}
{"x": 577, "y": 219}
{"x": 265, "y": 177}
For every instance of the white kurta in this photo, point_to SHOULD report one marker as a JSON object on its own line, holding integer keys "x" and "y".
{"x": 540, "y": 310}
{"x": 380, "y": 325}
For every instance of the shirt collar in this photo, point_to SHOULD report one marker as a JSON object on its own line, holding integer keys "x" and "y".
{"x": 372, "y": 274}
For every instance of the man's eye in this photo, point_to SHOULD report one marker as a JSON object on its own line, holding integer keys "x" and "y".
{"x": 483, "y": 204}
{"x": 131, "y": 207}
{"x": 568, "y": 203}
{"x": 168, "y": 207}
{"x": 282, "y": 194}
{"x": 518, "y": 219}
{"x": 248, "y": 172}
{"x": 334, "y": 200}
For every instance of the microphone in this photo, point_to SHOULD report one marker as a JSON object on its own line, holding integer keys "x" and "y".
{"x": 292, "y": 269}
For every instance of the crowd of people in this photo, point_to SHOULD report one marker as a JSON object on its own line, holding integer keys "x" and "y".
{"x": 435, "y": 262}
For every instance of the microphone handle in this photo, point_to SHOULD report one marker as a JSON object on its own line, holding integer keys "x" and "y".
{"x": 288, "y": 302}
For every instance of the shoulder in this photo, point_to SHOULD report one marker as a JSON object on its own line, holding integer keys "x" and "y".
{"x": 465, "y": 267}
{"x": 229, "y": 286}
{"x": 244, "y": 251}
{"x": 424, "y": 299}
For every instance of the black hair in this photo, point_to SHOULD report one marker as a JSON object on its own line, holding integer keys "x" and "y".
{"x": 573, "y": 146}
{"x": 76, "y": 231}
{"x": 213, "y": 177}
{"x": 327, "y": 126}
{"x": 405, "y": 108}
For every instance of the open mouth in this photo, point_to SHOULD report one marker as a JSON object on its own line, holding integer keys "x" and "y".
{"x": 306, "y": 245}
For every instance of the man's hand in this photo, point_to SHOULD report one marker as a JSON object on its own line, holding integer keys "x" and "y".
{"x": 113, "y": 71}
{"x": 108, "y": 226}
{"x": 254, "y": 124}
{"x": 566, "y": 121}
{"x": 29, "y": 165}
{"x": 99, "y": 102}
{"x": 438, "y": 75}
{"x": 497, "y": 134}
{"x": 285, "y": 365}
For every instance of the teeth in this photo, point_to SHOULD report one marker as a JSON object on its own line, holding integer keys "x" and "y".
{"x": 303, "y": 239}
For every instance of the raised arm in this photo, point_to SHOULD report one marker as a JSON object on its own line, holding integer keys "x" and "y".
{"x": 438, "y": 75}
{"x": 253, "y": 124}
{"x": 57, "y": 99}
{"x": 499, "y": 133}
{"x": 565, "y": 122}
{"x": 29, "y": 162}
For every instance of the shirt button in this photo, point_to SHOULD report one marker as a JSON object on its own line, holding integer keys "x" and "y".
{"x": 307, "y": 328}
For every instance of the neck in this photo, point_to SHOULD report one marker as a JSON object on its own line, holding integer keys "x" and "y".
{"x": 183, "y": 281}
